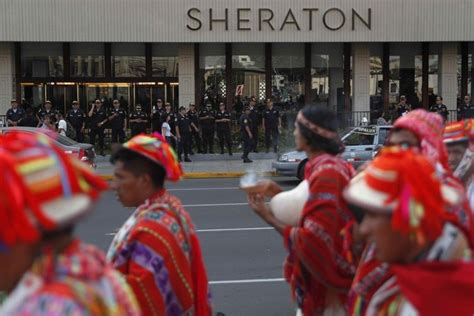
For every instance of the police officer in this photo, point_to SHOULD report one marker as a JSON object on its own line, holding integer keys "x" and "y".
{"x": 255, "y": 119}
{"x": 157, "y": 116}
{"x": 15, "y": 114}
{"x": 47, "y": 110}
{"x": 77, "y": 118}
{"x": 172, "y": 122}
{"x": 98, "y": 118}
{"x": 223, "y": 128}
{"x": 246, "y": 133}
{"x": 466, "y": 110}
{"x": 183, "y": 134}
{"x": 440, "y": 108}
{"x": 138, "y": 121}
{"x": 207, "y": 117}
{"x": 271, "y": 125}
{"x": 118, "y": 122}
{"x": 195, "y": 137}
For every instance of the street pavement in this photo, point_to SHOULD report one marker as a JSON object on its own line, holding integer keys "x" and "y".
{"x": 243, "y": 255}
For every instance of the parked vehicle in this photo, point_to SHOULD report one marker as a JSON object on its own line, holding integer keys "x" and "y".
{"x": 361, "y": 145}
{"x": 85, "y": 152}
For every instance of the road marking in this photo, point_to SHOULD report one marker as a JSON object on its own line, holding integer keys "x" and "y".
{"x": 203, "y": 189}
{"x": 232, "y": 229}
{"x": 247, "y": 281}
{"x": 210, "y": 205}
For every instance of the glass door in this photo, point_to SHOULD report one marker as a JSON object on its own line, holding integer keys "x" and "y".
{"x": 61, "y": 96}
{"x": 33, "y": 94}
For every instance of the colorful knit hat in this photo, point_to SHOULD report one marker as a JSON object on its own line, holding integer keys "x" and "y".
{"x": 156, "y": 148}
{"x": 428, "y": 127}
{"x": 403, "y": 182}
{"x": 41, "y": 188}
{"x": 456, "y": 132}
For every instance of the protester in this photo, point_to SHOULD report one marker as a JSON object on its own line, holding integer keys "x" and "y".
{"x": 98, "y": 118}
{"x": 77, "y": 118}
{"x": 422, "y": 130}
{"x": 440, "y": 108}
{"x": 166, "y": 130}
{"x": 44, "y": 269}
{"x": 381, "y": 120}
{"x": 172, "y": 123}
{"x": 48, "y": 123}
{"x": 461, "y": 155}
{"x": 30, "y": 119}
{"x": 157, "y": 249}
{"x": 403, "y": 106}
{"x": 15, "y": 114}
{"x": 415, "y": 236}
{"x": 157, "y": 116}
{"x": 318, "y": 269}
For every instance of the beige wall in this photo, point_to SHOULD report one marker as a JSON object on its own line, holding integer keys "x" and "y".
{"x": 6, "y": 76}
{"x": 166, "y": 20}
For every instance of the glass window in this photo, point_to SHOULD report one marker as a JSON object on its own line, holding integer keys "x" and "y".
{"x": 288, "y": 74}
{"x": 87, "y": 60}
{"x": 42, "y": 60}
{"x": 376, "y": 79}
{"x": 359, "y": 138}
{"x": 470, "y": 77}
{"x": 248, "y": 68}
{"x": 61, "y": 96}
{"x": 107, "y": 92}
{"x": 164, "y": 61}
{"x": 405, "y": 74}
{"x": 33, "y": 95}
{"x": 327, "y": 75}
{"x": 212, "y": 71}
{"x": 128, "y": 60}
{"x": 433, "y": 72}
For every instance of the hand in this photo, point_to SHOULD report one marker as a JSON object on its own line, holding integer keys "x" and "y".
{"x": 257, "y": 204}
{"x": 264, "y": 187}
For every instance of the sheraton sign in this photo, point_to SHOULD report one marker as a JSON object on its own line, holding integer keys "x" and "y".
{"x": 265, "y": 19}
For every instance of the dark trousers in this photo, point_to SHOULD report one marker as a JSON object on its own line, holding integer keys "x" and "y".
{"x": 79, "y": 135}
{"x": 225, "y": 138}
{"x": 208, "y": 140}
{"x": 137, "y": 130}
{"x": 196, "y": 138}
{"x": 118, "y": 135}
{"x": 254, "y": 131}
{"x": 97, "y": 132}
{"x": 184, "y": 145}
{"x": 248, "y": 144}
{"x": 271, "y": 138}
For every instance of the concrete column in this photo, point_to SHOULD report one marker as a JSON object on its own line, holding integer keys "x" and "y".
{"x": 448, "y": 74}
{"x": 7, "y": 70}
{"x": 186, "y": 74}
{"x": 360, "y": 81}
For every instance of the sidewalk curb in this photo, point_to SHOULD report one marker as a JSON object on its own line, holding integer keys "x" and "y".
{"x": 205, "y": 175}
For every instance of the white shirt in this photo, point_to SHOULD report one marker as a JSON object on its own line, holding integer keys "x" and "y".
{"x": 62, "y": 127}
{"x": 167, "y": 127}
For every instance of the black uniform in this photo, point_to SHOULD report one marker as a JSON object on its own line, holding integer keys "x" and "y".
{"x": 117, "y": 119}
{"x": 207, "y": 118}
{"x": 172, "y": 124}
{"x": 98, "y": 116}
{"x": 441, "y": 109}
{"x": 271, "y": 118}
{"x": 52, "y": 113}
{"x": 223, "y": 131}
{"x": 157, "y": 119}
{"x": 466, "y": 112}
{"x": 77, "y": 119}
{"x": 15, "y": 115}
{"x": 195, "y": 137}
{"x": 245, "y": 122}
{"x": 183, "y": 123}
{"x": 255, "y": 119}
{"x": 29, "y": 121}
{"x": 138, "y": 128}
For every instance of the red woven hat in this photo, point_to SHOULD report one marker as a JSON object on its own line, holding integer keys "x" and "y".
{"x": 41, "y": 188}
{"x": 157, "y": 149}
{"x": 404, "y": 183}
{"x": 456, "y": 132}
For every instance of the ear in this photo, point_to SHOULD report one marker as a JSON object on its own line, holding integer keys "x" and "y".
{"x": 146, "y": 180}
